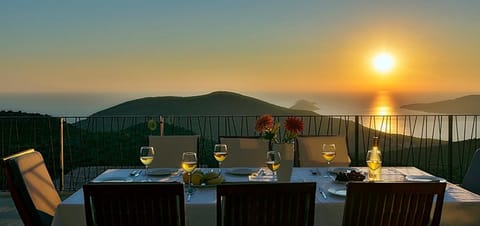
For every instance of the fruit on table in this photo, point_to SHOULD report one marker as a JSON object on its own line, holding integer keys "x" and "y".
{"x": 351, "y": 176}
{"x": 199, "y": 178}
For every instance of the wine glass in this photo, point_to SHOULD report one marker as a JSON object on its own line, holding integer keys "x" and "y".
{"x": 146, "y": 156}
{"x": 328, "y": 152}
{"x": 189, "y": 163}
{"x": 220, "y": 153}
{"x": 273, "y": 161}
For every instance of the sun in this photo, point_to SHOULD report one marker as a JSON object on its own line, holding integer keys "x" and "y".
{"x": 383, "y": 62}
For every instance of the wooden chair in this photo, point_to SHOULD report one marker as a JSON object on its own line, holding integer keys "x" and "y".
{"x": 142, "y": 204}
{"x": 392, "y": 204}
{"x": 266, "y": 204}
{"x": 31, "y": 187}
{"x": 471, "y": 180}
{"x": 310, "y": 151}
{"x": 245, "y": 151}
{"x": 169, "y": 149}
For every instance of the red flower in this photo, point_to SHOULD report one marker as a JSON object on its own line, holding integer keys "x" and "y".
{"x": 294, "y": 125}
{"x": 264, "y": 122}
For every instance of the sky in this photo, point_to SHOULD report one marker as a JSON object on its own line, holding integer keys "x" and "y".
{"x": 191, "y": 46}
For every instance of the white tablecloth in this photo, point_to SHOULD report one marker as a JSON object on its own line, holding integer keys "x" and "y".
{"x": 461, "y": 207}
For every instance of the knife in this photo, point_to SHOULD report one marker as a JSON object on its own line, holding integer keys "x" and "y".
{"x": 323, "y": 194}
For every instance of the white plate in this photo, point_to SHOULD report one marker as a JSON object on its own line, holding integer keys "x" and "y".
{"x": 242, "y": 171}
{"x": 113, "y": 179}
{"x": 338, "y": 191}
{"x": 336, "y": 170}
{"x": 160, "y": 172}
{"x": 424, "y": 178}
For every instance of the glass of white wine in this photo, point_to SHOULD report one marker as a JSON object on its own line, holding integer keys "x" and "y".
{"x": 328, "y": 152}
{"x": 189, "y": 164}
{"x": 220, "y": 153}
{"x": 146, "y": 156}
{"x": 273, "y": 161}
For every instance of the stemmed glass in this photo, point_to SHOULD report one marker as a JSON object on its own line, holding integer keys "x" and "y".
{"x": 220, "y": 153}
{"x": 189, "y": 163}
{"x": 146, "y": 156}
{"x": 328, "y": 152}
{"x": 273, "y": 161}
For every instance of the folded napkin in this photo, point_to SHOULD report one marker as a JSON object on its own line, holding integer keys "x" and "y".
{"x": 262, "y": 178}
{"x": 262, "y": 175}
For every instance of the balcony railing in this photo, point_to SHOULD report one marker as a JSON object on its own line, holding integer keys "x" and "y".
{"x": 76, "y": 149}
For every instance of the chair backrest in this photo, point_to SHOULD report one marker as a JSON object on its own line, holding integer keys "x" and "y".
{"x": 266, "y": 204}
{"x": 169, "y": 149}
{"x": 142, "y": 204}
{"x": 471, "y": 180}
{"x": 31, "y": 187}
{"x": 245, "y": 151}
{"x": 310, "y": 151}
{"x": 393, "y": 204}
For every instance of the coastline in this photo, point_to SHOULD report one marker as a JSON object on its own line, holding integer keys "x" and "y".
{"x": 85, "y": 104}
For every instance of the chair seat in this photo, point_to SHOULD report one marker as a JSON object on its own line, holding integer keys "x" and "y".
{"x": 471, "y": 179}
{"x": 31, "y": 187}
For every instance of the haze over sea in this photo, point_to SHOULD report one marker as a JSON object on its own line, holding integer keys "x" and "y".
{"x": 85, "y": 104}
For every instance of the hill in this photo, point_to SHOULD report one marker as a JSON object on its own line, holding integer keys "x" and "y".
{"x": 216, "y": 103}
{"x": 463, "y": 105}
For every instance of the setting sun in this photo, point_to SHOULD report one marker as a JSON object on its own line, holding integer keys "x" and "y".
{"x": 383, "y": 62}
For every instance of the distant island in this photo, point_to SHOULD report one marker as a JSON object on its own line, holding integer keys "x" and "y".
{"x": 305, "y": 105}
{"x": 462, "y": 105}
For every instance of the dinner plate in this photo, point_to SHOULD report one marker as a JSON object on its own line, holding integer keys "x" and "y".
{"x": 424, "y": 178}
{"x": 113, "y": 179}
{"x": 242, "y": 171}
{"x": 160, "y": 172}
{"x": 336, "y": 170}
{"x": 338, "y": 191}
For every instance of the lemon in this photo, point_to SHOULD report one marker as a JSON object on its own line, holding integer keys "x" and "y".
{"x": 195, "y": 174}
{"x": 197, "y": 178}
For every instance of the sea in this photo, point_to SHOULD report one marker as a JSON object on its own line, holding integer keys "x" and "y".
{"x": 367, "y": 103}
{"x": 378, "y": 103}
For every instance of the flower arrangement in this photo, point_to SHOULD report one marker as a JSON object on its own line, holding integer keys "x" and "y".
{"x": 268, "y": 129}
{"x": 293, "y": 126}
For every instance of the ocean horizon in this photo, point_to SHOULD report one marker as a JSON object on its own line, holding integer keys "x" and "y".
{"x": 86, "y": 104}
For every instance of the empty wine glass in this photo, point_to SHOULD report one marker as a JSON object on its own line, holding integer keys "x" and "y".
{"x": 189, "y": 163}
{"x": 220, "y": 153}
{"x": 273, "y": 161}
{"x": 146, "y": 156}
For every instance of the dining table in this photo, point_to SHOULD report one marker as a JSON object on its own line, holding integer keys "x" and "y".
{"x": 461, "y": 207}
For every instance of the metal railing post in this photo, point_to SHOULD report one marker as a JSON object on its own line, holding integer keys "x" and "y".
{"x": 450, "y": 147}
{"x": 357, "y": 148}
{"x": 62, "y": 168}
{"x": 161, "y": 125}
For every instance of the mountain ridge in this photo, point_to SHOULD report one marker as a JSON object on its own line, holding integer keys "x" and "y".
{"x": 469, "y": 104}
{"x": 215, "y": 103}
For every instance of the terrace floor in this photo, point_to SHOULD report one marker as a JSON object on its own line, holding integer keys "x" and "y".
{"x": 8, "y": 212}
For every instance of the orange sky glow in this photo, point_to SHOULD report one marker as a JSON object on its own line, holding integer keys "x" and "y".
{"x": 238, "y": 46}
